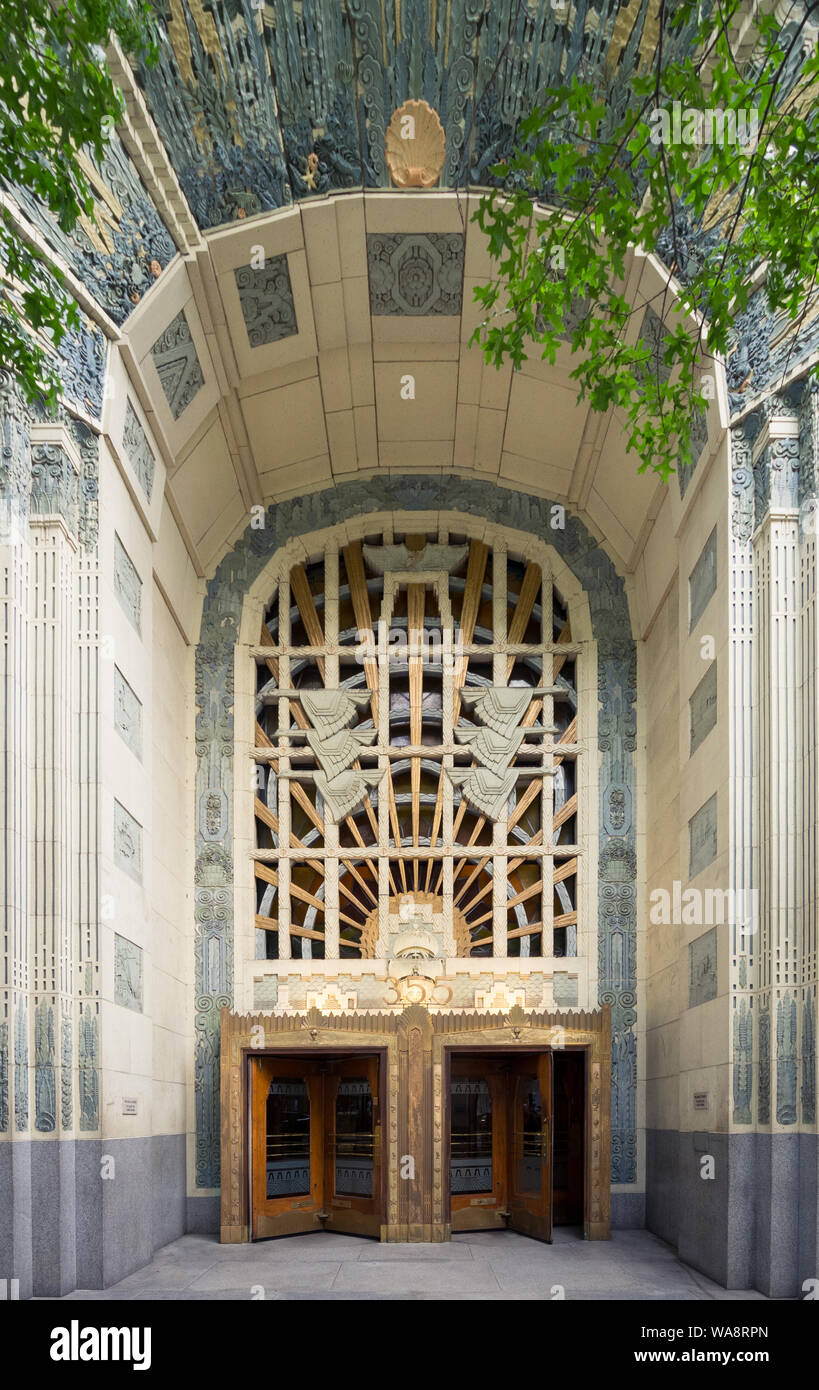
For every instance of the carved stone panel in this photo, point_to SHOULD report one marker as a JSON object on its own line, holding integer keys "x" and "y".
{"x": 702, "y": 582}
{"x": 127, "y": 585}
{"x": 127, "y": 842}
{"x": 127, "y": 973}
{"x": 702, "y": 969}
{"x": 654, "y": 336}
{"x": 702, "y": 831}
{"x": 127, "y": 713}
{"x": 699, "y": 439}
{"x": 266, "y": 298}
{"x": 703, "y": 707}
{"x": 177, "y": 365}
{"x": 417, "y": 274}
{"x": 140, "y": 454}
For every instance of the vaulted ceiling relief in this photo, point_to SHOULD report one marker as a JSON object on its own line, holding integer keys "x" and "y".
{"x": 122, "y": 247}
{"x": 259, "y": 106}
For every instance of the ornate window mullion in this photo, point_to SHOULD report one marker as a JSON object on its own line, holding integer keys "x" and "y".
{"x": 332, "y": 924}
{"x": 382, "y": 715}
{"x": 451, "y": 664}
{"x": 500, "y": 829}
{"x": 283, "y": 768}
{"x": 547, "y": 794}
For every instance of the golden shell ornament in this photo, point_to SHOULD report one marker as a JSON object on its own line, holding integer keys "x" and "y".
{"x": 415, "y": 145}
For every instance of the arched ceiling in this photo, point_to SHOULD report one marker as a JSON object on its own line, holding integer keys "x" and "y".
{"x": 331, "y": 340}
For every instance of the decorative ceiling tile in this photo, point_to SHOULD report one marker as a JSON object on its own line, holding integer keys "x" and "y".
{"x": 139, "y": 452}
{"x": 415, "y": 274}
{"x": 177, "y": 365}
{"x": 267, "y": 304}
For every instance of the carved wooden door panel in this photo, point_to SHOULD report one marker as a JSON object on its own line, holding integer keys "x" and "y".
{"x": 530, "y": 1146}
{"x": 352, "y": 1147}
{"x": 287, "y": 1144}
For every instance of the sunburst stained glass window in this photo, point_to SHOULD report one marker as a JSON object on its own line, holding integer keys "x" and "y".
{"x": 417, "y": 733}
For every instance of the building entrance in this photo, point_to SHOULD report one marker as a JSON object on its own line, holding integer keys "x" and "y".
{"x": 410, "y": 1124}
{"x": 316, "y": 1141}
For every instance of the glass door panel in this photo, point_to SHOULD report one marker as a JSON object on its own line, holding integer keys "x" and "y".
{"x": 288, "y": 1138}
{"x": 354, "y": 1138}
{"x": 471, "y": 1135}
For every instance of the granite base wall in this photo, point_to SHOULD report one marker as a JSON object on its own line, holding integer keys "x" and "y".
{"x": 754, "y": 1224}
{"x": 65, "y": 1226}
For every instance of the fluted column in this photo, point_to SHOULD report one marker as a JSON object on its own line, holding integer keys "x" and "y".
{"x": 777, "y": 756}
{"x": 15, "y": 1251}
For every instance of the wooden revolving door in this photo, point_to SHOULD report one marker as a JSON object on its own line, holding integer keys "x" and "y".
{"x": 316, "y": 1145}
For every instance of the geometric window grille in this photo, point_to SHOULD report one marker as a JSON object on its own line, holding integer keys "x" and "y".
{"x": 416, "y": 730}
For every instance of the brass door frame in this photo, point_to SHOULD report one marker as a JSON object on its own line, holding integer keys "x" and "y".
{"x": 315, "y": 1057}
{"x": 415, "y": 1046}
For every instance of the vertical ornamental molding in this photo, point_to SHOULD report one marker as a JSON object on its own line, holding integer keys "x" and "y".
{"x": 48, "y": 768}
{"x": 777, "y": 751}
{"x": 808, "y": 771}
{"x": 15, "y": 464}
{"x": 744, "y": 939}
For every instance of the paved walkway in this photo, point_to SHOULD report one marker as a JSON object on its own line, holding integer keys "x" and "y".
{"x": 486, "y": 1265}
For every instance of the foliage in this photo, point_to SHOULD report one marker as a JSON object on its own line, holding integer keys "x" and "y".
{"x": 613, "y": 183}
{"x": 57, "y": 102}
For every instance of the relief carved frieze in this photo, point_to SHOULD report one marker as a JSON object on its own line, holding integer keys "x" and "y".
{"x": 127, "y": 585}
{"x": 177, "y": 365}
{"x": 415, "y": 274}
{"x": 139, "y": 452}
{"x": 266, "y": 299}
{"x": 127, "y": 842}
{"x": 127, "y": 713}
{"x": 127, "y": 973}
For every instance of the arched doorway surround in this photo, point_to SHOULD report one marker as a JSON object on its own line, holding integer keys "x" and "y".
{"x": 616, "y": 868}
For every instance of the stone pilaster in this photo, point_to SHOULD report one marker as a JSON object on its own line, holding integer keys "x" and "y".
{"x": 53, "y": 525}
{"x": 777, "y": 759}
{"x": 741, "y": 832}
{"x": 15, "y": 1099}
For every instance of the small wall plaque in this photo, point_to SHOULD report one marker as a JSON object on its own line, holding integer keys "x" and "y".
{"x": 700, "y": 1100}
{"x": 130, "y": 1105}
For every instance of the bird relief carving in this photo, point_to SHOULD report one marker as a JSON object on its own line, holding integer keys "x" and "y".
{"x": 392, "y": 559}
{"x": 336, "y": 747}
{"x": 494, "y": 743}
